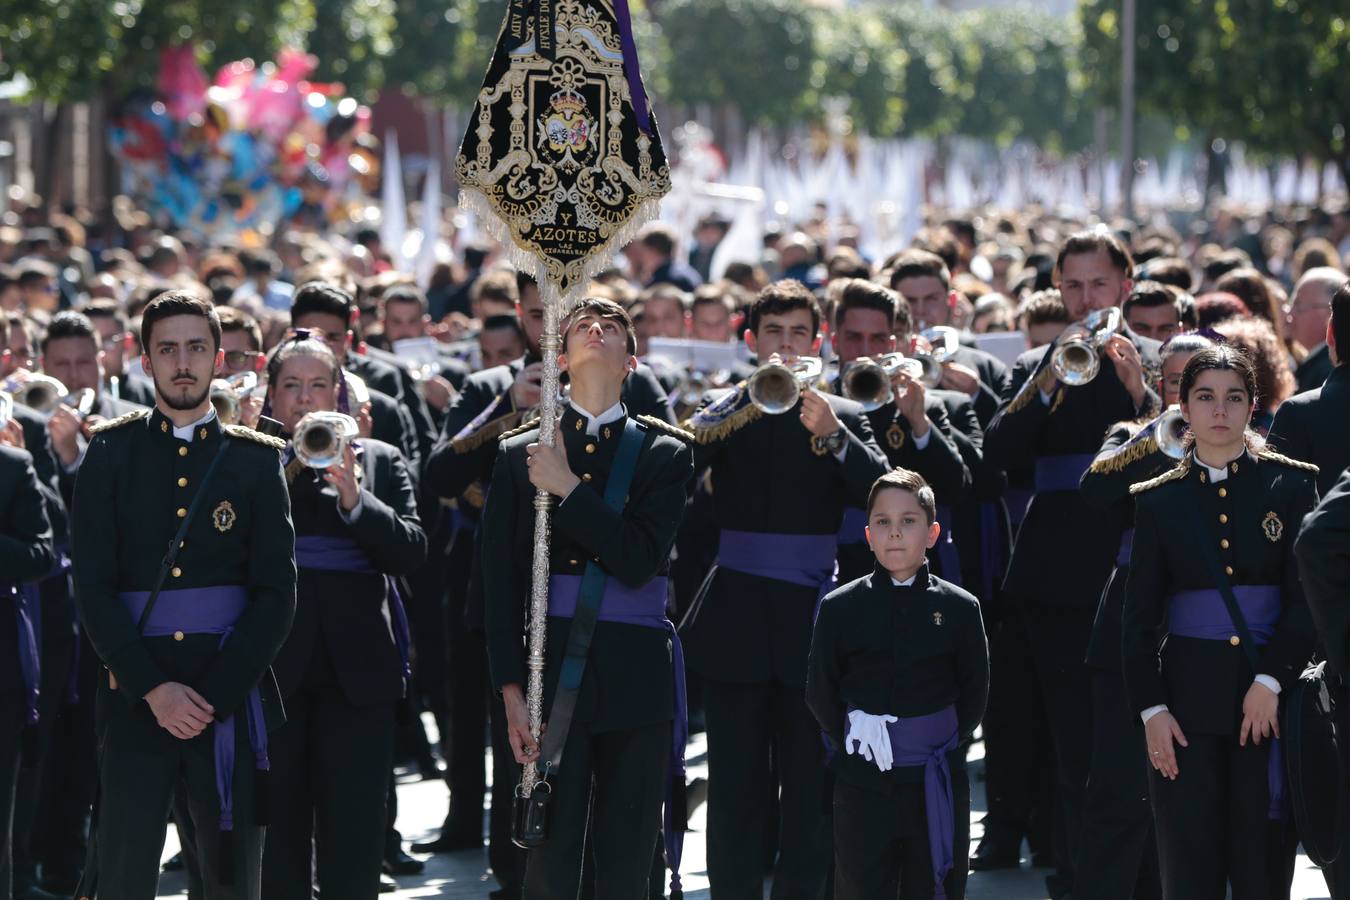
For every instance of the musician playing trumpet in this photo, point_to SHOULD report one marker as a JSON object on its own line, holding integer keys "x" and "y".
{"x": 780, "y": 484}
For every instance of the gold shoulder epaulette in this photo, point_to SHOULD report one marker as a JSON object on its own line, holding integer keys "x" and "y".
{"x": 125, "y": 418}
{"x": 257, "y": 437}
{"x": 1172, "y": 474}
{"x": 1133, "y": 450}
{"x": 1268, "y": 454}
{"x": 519, "y": 429}
{"x": 665, "y": 427}
{"x": 718, "y": 419}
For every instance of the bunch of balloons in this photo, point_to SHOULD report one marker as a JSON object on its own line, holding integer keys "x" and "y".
{"x": 256, "y": 148}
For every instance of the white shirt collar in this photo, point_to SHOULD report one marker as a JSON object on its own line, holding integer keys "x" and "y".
{"x": 1215, "y": 475}
{"x": 908, "y": 582}
{"x": 186, "y": 432}
{"x": 593, "y": 423}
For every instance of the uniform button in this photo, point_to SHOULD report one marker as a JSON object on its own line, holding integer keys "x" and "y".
{"x": 177, "y": 572}
{"x": 586, "y": 477}
{"x": 1235, "y": 640}
{"x": 1224, "y": 543}
{"x": 571, "y": 562}
{"x": 590, "y": 448}
{"x": 182, "y": 513}
{"x": 182, "y": 482}
{"x": 1223, "y": 518}
{"x": 178, "y": 635}
{"x": 1223, "y": 492}
{"x": 1228, "y": 570}
{"x": 164, "y": 427}
{"x": 182, "y": 451}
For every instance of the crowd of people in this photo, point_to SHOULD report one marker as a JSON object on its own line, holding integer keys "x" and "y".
{"x": 844, "y": 514}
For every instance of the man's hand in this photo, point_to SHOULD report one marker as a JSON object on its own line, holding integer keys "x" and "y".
{"x": 1129, "y": 367}
{"x": 911, "y": 399}
{"x": 523, "y": 745}
{"x": 180, "y": 710}
{"x": 956, "y": 377}
{"x": 343, "y": 477}
{"x": 817, "y": 414}
{"x": 548, "y": 467}
{"x": 64, "y": 427}
{"x": 1159, "y": 732}
{"x": 525, "y": 390}
{"x": 250, "y": 409}
{"x": 438, "y": 392}
{"x": 12, "y": 435}
{"x": 1260, "y": 714}
{"x": 365, "y": 422}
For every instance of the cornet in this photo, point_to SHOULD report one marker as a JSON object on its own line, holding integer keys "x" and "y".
{"x": 228, "y": 393}
{"x": 1077, "y": 360}
{"x": 776, "y": 387}
{"x": 1170, "y": 432}
{"x": 44, "y": 394}
{"x": 321, "y": 438}
{"x": 868, "y": 380}
{"x": 943, "y": 341}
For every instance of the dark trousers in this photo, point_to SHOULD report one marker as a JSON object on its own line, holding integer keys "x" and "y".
{"x": 11, "y": 731}
{"x": 1059, "y": 639}
{"x": 1212, "y": 824}
{"x": 506, "y": 859}
{"x": 744, "y": 722}
{"x": 1117, "y": 856}
{"x": 330, "y": 773}
{"x": 881, "y": 845}
{"x": 141, "y": 765}
{"x": 465, "y": 773}
{"x": 610, "y": 787}
{"x": 1018, "y": 752}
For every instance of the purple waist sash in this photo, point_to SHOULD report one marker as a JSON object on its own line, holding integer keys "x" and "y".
{"x": 339, "y": 554}
{"x": 853, "y": 529}
{"x": 1018, "y": 499}
{"x": 1203, "y": 614}
{"x": 1061, "y": 471}
{"x": 804, "y": 559}
{"x": 926, "y": 741}
{"x": 210, "y": 610}
{"x": 28, "y": 618}
{"x": 1126, "y": 546}
{"x": 644, "y": 606}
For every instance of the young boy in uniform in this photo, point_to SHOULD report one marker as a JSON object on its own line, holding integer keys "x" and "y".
{"x": 898, "y": 676}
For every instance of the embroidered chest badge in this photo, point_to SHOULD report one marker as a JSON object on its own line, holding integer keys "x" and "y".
{"x": 223, "y": 517}
{"x": 1273, "y": 527}
{"x": 895, "y": 436}
{"x": 937, "y": 618}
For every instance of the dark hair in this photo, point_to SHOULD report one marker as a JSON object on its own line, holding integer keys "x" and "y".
{"x": 855, "y": 293}
{"x": 1220, "y": 357}
{"x": 322, "y": 297}
{"x": 71, "y": 324}
{"x": 177, "y": 303}
{"x": 301, "y": 344}
{"x": 1223, "y": 263}
{"x": 505, "y": 322}
{"x": 665, "y": 291}
{"x": 502, "y": 286}
{"x": 905, "y": 480}
{"x": 4, "y": 332}
{"x": 722, "y": 293}
{"x": 1168, "y": 270}
{"x": 1254, "y": 336}
{"x": 1185, "y": 342}
{"x": 1042, "y": 307}
{"x": 234, "y": 319}
{"x": 919, "y": 264}
{"x": 783, "y": 297}
{"x": 1149, "y": 295}
{"x": 106, "y": 309}
{"x": 1218, "y": 306}
{"x": 1096, "y": 240}
{"x": 475, "y": 255}
{"x": 406, "y": 293}
{"x": 604, "y": 309}
{"x": 31, "y": 271}
{"x": 1250, "y": 286}
{"x": 658, "y": 237}
{"x": 1340, "y": 321}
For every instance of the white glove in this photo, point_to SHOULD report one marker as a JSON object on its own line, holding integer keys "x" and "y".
{"x": 874, "y": 741}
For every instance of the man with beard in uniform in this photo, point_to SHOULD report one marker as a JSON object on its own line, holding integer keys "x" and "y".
{"x": 780, "y": 484}
{"x": 186, "y": 697}
{"x": 911, "y": 426}
{"x": 492, "y": 402}
{"x": 1065, "y": 549}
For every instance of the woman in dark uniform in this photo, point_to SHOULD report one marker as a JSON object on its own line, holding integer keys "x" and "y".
{"x": 1116, "y": 858}
{"x": 1221, "y": 522}
{"x": 343, "y": 667}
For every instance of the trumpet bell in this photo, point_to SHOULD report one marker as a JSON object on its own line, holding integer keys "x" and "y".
{"x": 321, "y": 438}
{"x": 1171, "y": 433}
{"x": 776, "y": 387}
{"x": 40, "y": 392}
{"x": 1076, "y": 362}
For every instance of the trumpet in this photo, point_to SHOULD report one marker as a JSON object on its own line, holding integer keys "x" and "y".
{"x": 44, "y": 394}
{"x": 1170, "y": 432}
{"x": 227, "y": 394}
{"x": 943, "y": 341}
{"x": 321, "y": 438}
{"x": 1078, "y": 359}
{"x": 776, "y": 387}
{"x": 868, "y": 380}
